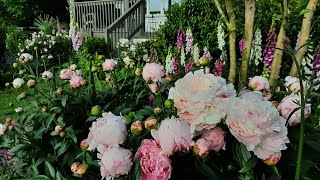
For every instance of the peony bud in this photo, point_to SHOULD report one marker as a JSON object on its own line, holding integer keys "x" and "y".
{"x": 156, "y": 110}
{"x": 8, "y": 120}
{"x": 73, "y": 67}
{"x": 35, "y": 48}
{"x": 74, "y": 167}
{"x": 15, "y": 65}
{"x": 10, "y": 104}
{"x": 151, "y": 123}
{"x": 14, "y": 123}
{"x": 43, "y": 56}
{"x": 204, "y": 61}
{"x": 58, "y": 128}
{"x": 10, "y": 128}
{"x": 22, "y": 71}
{"x": 138, "y": 72}
{"x": 7, "y": 84}
{"x": 82, "y": 168}
{"x": 201, "y": 148}
{"x": 31, "y": 83}
{"x": 59, "y": 90}
{"x": 94, "y": 69}
{"x": 136, "y": 127}
{"x": 84, "y": 145}
{"x": 275, "y": 104}
{"x": 62, "y": 134}
{"x": 273, "y": 159}
{"x": 44, "y": 109}
{"x": 168, "y": 103}
{"x": 168, "y": 78}
{"x": 96, "y": 110}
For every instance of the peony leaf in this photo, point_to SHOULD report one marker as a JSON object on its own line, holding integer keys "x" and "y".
{"x": 50, "y": 168}
{"x": 137, "y": 170}
{"x": 304, "y": 11}
{"x": 205, "y": 169}
{"x": 251, "y": 163}
{"x": 40, "y": 177}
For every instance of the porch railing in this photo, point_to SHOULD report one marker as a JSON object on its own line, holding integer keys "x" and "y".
{"x": 128, "y": 24}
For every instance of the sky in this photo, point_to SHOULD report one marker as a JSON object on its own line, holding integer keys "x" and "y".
{"x": 155, "y": 4}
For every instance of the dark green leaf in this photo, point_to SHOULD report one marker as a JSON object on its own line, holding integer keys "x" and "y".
{"x": 17, "y": 148}
{"x": 250, "y": 164}
{"x": 64, "y": 146}
{"x": 50, "y": 168}
{"x": 40, "y": 177}
{"x": 64, "y": 101}
{"x": 304, "y": 11}
{"x": 205, "y": 169}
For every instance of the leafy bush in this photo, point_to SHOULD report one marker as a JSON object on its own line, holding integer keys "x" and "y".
{"x": 14, "y": 37}
{"x": 94, "y": 45}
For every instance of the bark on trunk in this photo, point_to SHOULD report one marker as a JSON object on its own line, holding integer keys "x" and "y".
{"x": 278, "y": 53}
{"x": 249, "y": 22}
{"x": 232, "y": 41}
{"x": 303, "y": 39}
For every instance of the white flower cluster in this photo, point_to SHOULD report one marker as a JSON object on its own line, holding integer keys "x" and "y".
{"x": 169, "y": 63}
{"x": 196, "y": 54}
{"x": 256, "y": 52}
{"x": 221, "y": 41}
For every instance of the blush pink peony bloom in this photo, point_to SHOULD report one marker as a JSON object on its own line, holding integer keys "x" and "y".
{"x": 173, "y": 135}
{"x": 77, "y": 81}
{"x": 109, "y": 65}
{"x": 257, "y": 125}
{"x": 153, "y": 88}
{"x": 73, "y": 67}
{"x": 17, "y": 83}
{"x": 154, "y": 165}
{"x": 246, "y": 94}
{"x": 66, "y": 73}
{"x": 201, "y": 148}
{"x": 273, "y": 159}
{"x": 215, "y": 138}
{"x": 31, "y": 83}
{"x": 114, "y": 162}
{"x": 292, "y": 84}
{"x": 152, "y": 72}
{"x": 110, "y": 130}
{"x": 200, "y": 99}
{"x": 290, "y": 104}
{"x": 259, "y": 83}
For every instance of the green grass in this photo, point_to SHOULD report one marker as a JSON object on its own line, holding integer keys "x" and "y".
{"x": 8, "y": 96}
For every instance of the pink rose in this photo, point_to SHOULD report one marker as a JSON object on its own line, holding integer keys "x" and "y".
{"x": 200, "y": 99}
{"x": 154, "y": 165}
{"x": 114, "y": 162}
{"x": 109, "y": 65}
{"x": 215, "y": 138}
{"x": 273, "y": 159}
{"x": 77, "y": 81}
{"x": 152, "y": 72}
{"x": 173, "y": 135}
{"x": 201, "y": 148}
{"x": 66, "y": 73}
{"x": 110, "y": 130}
{"x": 288, "y": 105}
{"x": 257, "y": 125}
{"x": 259, "y": 83}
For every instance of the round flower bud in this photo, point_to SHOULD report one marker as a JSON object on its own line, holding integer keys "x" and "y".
{"x": 15, "y": 65}
{"x": 58, "y": 128}
{"x": 10, "y": 128}
{"x": 136, "y": 127}
{"x": 74, "y": 167}
{"x": 59, "y": 90}
{"x": 204, "y": 61}
{"x": 22, "y": 71}
{"x": 275, "y": 104}
{"x": 273, "y": 159}
{"x": 7, "y": 84}
{"x": 168, "y": 78}
{"x": 31, "y": 83}
{"x": 151, "y": 123}
{"x": 168, "y": 103}
{"x": 62, "y": 134}
{"x": 96, "y": 110}
{"x": 156, "y": 110}
{"x": 201, "y": 148}
{"x": 82, "y": 169}
{"x": 138, "y": 72}
{"x": 84, "y": 145}
{"x": 94, "y": 69}
{"x": 10, "y": 104}
{"x": 35, "y": 48}
{"x": 43, "y": 56}
{"x": 44, "y": 109}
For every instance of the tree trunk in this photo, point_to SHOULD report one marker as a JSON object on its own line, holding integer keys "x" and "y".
{"x": 72, "y": 12}
{"x": 278, "y": 53}
{"x": 305, "y": 32}
{"x": 249, "y": 22}
{"x": 232, "y": 41}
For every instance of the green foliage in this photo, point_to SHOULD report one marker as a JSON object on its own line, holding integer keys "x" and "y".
{"x": 14, "y": 37}
{"x": 45, "y": 23}
{"x": 94, "y": 45}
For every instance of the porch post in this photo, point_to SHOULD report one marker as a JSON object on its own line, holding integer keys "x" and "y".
{"x": 148, "y": 7}
{"x": 162, "y": 6}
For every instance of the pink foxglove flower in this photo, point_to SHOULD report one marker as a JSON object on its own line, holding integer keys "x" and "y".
{"x": 77, "y": 81}
{"x": 207, "y": 54}
{"x": 154, "y": 165}
{"x": 66, "y": 74}
{"x": 259, "y": 83}
{"x": 114, "y": 162}
{"x": 152, "y": 72}
{"x": 179, "y": 40}
{"x": 241, "y": 45}
{"x": 173, "y": 135}
{"x": 200, "y": 99}
{"x": 257, "y": 125}
{"x": 288, "y": 107}
{"x": 109, "y": 65}
{"x": 218, "y": 68}
{"x": 270, "y": 48}
{"x": 215, "y": 138}
{"x": 110, "y": 131}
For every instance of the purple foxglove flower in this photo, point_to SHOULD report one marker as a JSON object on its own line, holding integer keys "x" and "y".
{"x": 179, "y": 40}
{"x": 241, "y": 45}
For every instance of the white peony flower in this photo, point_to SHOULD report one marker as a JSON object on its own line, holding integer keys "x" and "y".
{"x": 17, "y": 83}
{"x": 47, "y": 75}
{"x": 3, "y": 129}
{"x": 129, "y": 62}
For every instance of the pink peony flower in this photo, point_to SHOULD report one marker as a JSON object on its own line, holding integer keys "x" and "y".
{"x": 152, "y": 72}
{"x": 110, "y": 130}
{"x": 114, "y": 162}
{"x": 200, "y": 99}
{"x": 273, "y": 159}
{"x": 154, "y": 165}
{"x": 259, "y": 83}
{"x": 66, "y": 73}
{"x": 109, "y": 65}
{"x": 202, "y": 147}
{"x": 257, "y": 125}
{"x": 246, "y": 94}
{"x": 292, "y": 84}
{"x": 290, "y": 104}
{"x": 77, "y": 81}
{"x": 173, "y": 135}
{"x": 153, "y": 88}
{"x": 215, "y": 138}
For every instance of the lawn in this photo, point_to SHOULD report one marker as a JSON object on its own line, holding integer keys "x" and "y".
{"x": 9, "y": 102}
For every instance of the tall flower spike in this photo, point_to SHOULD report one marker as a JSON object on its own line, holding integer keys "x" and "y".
{"x": 256, "y": 54}
{"x": 179, "y": 40}
{"x": 183, "y": 57}
{"x": 189, "y": 41}
{"x": 169, "y": 63}
{"x": 270, "y": 47}
{"x": 196, "y": 54}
